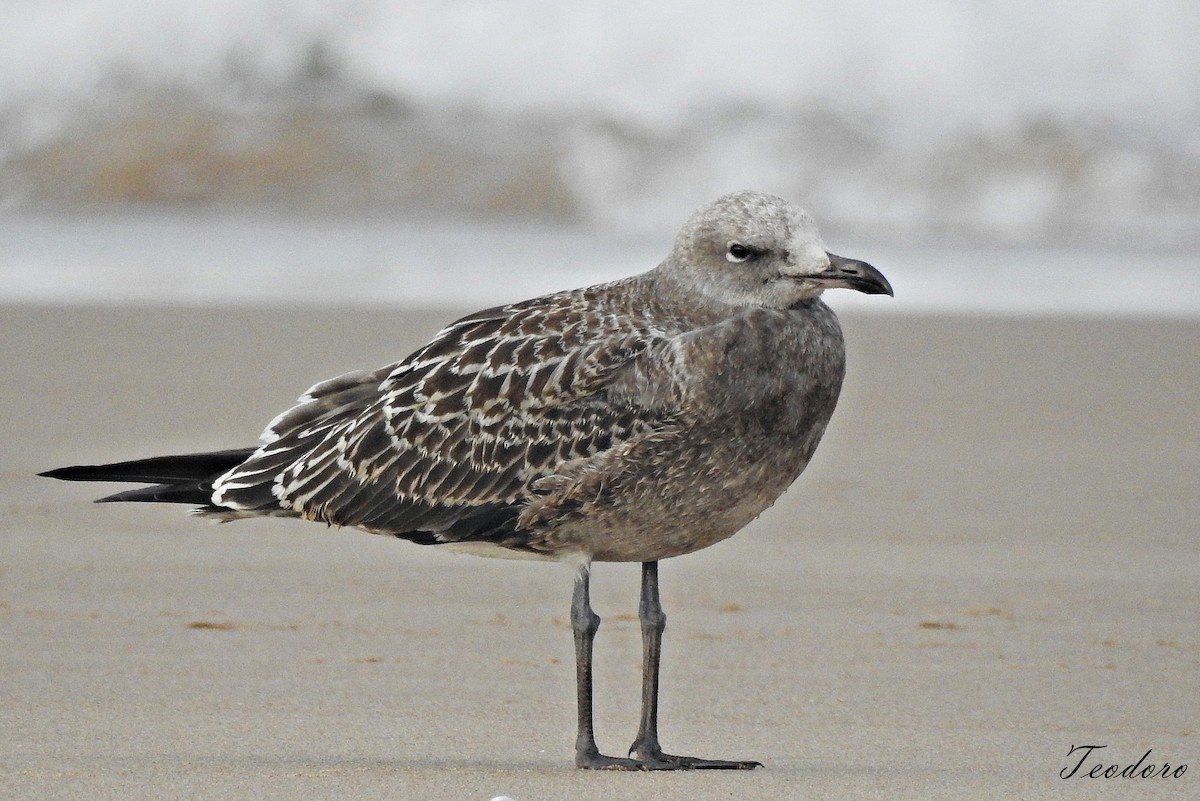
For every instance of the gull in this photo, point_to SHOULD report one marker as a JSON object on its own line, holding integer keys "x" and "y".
{"x": 631, "y": 421}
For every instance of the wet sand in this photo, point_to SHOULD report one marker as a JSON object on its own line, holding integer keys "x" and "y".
{"x": 992, "y": 559}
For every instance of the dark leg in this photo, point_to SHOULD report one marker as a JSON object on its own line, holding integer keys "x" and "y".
{"x": 585, "y": 622}
{"x": 646, "y": 747}
{"x": 653, "y": 620}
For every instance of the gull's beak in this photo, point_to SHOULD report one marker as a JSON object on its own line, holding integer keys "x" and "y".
{"x": 853, "y": 274}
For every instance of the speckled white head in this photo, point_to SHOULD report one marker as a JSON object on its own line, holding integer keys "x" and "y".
{"x": 751, "y": 248}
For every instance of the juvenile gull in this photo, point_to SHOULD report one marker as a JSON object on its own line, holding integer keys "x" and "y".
{"x": 627, "y": 422}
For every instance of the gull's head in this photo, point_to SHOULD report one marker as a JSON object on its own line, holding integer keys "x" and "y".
{"x": 755, "y": 249}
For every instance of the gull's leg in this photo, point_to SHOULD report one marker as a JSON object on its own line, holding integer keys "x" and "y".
{"x": 646, "y": 748}
{"x": 653, "y": 621}
{"x": 585, "y": 622}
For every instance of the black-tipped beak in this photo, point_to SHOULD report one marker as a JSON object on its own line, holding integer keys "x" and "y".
{"x": 854, "y": 274}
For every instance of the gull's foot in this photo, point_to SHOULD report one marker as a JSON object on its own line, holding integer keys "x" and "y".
{"x": 696, "y": 763}
{"x": 653, "y": 756}
{"x": 670, "y": 762}
{"x": 598, "y": 761}
{"x": 594, "y": 760}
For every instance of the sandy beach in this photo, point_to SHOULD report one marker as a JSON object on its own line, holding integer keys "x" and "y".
{"x": 992, "y": 559}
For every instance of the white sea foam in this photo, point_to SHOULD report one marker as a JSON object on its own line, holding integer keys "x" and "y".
{"x": 935, "y": 63}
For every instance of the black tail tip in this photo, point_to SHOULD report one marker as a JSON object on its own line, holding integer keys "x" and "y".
{"x": 58, "y": 472}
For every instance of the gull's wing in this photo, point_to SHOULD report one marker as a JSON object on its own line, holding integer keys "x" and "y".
{"x": 445, "y": 445}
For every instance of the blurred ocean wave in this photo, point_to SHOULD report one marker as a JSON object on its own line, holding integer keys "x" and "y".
{"x": 1068, "y": 123}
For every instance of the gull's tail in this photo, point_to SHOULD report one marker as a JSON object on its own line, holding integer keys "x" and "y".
{"x": 176, "y": 479}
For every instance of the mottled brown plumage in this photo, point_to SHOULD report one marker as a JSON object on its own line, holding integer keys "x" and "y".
{"x": 445, "y": 445}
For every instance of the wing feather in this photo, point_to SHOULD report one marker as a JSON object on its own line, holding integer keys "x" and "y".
{"x": 446, "y": 444}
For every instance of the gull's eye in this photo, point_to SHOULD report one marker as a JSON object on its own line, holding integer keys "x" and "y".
{"x": 738, "y": 252}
